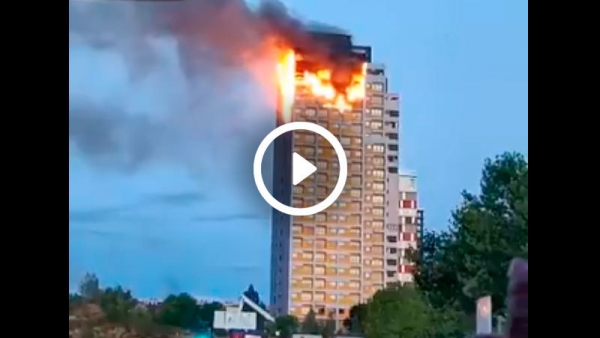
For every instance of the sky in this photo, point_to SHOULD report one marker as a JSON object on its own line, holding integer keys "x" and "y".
{"x": 460, "y": 66}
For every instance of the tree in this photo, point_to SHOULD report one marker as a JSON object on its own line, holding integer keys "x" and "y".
{"x": 487, "y": 231}
{"x": 253, "y": 295}
{"x": 356, "y": 319}
{"x": 206, "y": 313}
{"x": 398, "y": 312}
{"x": 180, "y": 311}
{"x": 117, "y": 303}
{"x": 89, "y": 287}
{"x": 310, "y": 324}
{"x": 286, "y": 326}
{"x": 328, "y": 328}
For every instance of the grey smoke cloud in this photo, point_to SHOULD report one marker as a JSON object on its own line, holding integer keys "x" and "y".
{"x": 222, "y": 52}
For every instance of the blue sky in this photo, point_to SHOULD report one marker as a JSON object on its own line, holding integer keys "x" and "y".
{"x": 198, "y": 226}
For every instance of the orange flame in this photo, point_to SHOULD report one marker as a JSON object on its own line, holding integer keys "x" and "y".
{"x": 286, "y": 74}
{"x": 319, "y": 84}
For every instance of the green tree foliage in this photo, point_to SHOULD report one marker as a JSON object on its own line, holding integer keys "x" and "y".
{"x": 117, "y": 304}
{"x": 488, "y": 229}
{"x": 328, "y": 327}
{"x": 207, "y": 313}
{"x": 398, "y": 312}
{"x": 355, "y": 322}
{"x": 286, "y": 326}
{"x": 89, "y": 287}
{"x": 310, "y": 324}
{"x": 180, "y": 311}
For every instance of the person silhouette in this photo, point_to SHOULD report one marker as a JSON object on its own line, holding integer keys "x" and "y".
{"x": 518, "y": 301}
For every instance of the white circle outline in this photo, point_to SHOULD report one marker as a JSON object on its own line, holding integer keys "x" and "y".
{"x": 260, "y": 154}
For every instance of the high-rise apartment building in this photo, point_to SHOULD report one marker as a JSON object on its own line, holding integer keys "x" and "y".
{"x": 410, "y": 226}
{"x": 339, "y": 257}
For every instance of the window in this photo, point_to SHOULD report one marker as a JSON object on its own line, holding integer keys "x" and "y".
{"x": 320, "y": 230}
{"x": 354, "y": 271}
{"x": 357, "y": 141}
{"x": 321, "y": 191}
{"x": 376, "y": 125}
{"x": 378, "y": 186}
{"x": 310, "y": 112}
{"x": 319, "y": 297}
{"x": 355, "y": 259}
{"x": 345, "y": 141}
{"x": 393, "y": 170}
{"x": 393, "y": 147}
{"x": 376, "y": 112}
{"x": 378, "y": 161}
{"x": 355, "y": 193}
{"x": 322, "y": 164}
{"x": 406, "y": 204}
{"x": 354, "y": 285}
{"x": 319, "y": 283}
{"x": 355, "y": 167}
{"x": 392, "y": 136}
{"x": 377, "y": 87}
{"x": 379, "y": 148}
{"x": 377, "y": 224}
{"x": 309, "y": 151}
{"x": 391, "y": 274}
{"x": 322, "y": 114}
{"x": 378, "y": 211}
{"x": 377, "y": 71}
{"x": 392, "y": 262}
{"x": 319, "y": 270}
{"x": 378, "y": 173}
{"x": 377, "y": 100}
{"x": 392, "y": 239}
{"x": 378, "y": 199}
{"x": 321, "y": 217}
{"x": 356, "y": 129}
{"x": 393, "y": 113}
{"x": 355, "y": 180}
{"x": 321, "y": 178}
{"x": 298, "y": 189}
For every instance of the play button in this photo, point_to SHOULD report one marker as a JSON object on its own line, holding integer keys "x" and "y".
{"x": 301, "y": 169}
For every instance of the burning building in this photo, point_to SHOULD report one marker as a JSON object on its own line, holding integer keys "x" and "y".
{"x": 337, "y": 258}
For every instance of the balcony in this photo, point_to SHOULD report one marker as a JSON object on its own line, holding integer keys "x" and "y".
{"x": 302, "y": 270}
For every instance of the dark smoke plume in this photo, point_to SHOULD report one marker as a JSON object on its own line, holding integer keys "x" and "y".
{"x": 225, "y": 54}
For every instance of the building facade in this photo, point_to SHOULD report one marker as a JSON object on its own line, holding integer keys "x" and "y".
{"x": 339, "y": 257}
{"x": 410, "y": 226}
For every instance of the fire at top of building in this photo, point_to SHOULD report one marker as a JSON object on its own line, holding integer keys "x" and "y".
{"x": 329, "y": 67}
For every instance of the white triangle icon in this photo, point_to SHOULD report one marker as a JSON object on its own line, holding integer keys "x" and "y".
{"x": 301, "y": 168}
